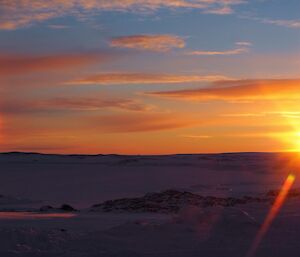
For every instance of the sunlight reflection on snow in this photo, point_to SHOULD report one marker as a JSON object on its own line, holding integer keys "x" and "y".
{"x": 33, "y": 215}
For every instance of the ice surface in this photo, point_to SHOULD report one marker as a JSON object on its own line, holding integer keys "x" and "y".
{"x": 29, "y": 181}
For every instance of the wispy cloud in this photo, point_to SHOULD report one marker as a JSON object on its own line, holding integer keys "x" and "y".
{"x": 16, "y": 14}
{"x": 242, "y": 47}
{"x": 144, "y": 122}
{"x": 14, "y": 64}
{"x": 220, "y": 11}
{"x": 64, "y": 104}
{"x": 145, "y": 78}
{"x": 156, "y": 43}
{"x": 57, "y": 26}
{"x": 294, "y": 24}
{"x": 196, "y": 136}
{"x": 243, "y": 43}
{"x": 285, "y": 114}
{"x": 239, "y": 90}
{"x": 243, "y": 115}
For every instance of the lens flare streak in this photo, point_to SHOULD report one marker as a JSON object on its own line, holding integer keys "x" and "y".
{"x": 272, "y": 214}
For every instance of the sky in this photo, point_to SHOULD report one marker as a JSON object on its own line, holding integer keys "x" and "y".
{"x": 149, "y": 76}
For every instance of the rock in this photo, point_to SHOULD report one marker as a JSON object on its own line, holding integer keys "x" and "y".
{"x": 46, "y": 208}
{"x": 292, "y": 193}
{"x": 68, "y": 208}
{"x": 169, "y": 201}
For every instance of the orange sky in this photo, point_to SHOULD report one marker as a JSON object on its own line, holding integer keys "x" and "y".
{"x": 148, "y": 77}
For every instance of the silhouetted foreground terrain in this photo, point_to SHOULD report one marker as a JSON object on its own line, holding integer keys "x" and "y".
{"x": 114, "y": 205}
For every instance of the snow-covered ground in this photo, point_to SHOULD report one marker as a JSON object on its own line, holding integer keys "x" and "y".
{"x": 204, "y": 208}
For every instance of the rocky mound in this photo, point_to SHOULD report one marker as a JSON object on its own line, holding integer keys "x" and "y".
{"x": 170, "y": 201}
{"x": 64, "y": 207}
{"x": 291, "y": 194}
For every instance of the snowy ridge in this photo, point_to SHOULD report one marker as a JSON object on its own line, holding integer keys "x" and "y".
{"x": 138, "y": 160}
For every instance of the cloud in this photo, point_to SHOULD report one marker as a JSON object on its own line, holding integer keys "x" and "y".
{"x": 57, "y": 26}
{"x": 294, "y": 24}
{"x": 16, "y": 13}
{"x": 221, "y": 11}
{"x": 240, "y": 131}
{"x": 242, "y": 47}
{"x": 144, "y": 78}
{"x": 243, "y": 43}
{"x": 247, "y": 131}
{"x": 210, "y": 127}
{"x": 15, "y": 64}
{"x": 239, "y": 90}
{"x": 196, "y": 136}
{"x": 227, "y": 52}
{"x": 71, "y": 104}
{"x": 285, "y": 114}
{"x": 155, "y": 43}
{"x": 144, "y": 122}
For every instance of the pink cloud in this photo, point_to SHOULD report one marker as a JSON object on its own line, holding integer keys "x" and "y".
{"x": 15, "y": 64}
{"x": 156, "y": 43}
{"x": 145, "y": 78}
{"x": 16, "y": 13}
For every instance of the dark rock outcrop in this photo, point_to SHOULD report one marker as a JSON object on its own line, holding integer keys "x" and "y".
{"x": 64, "y": 207}
{"x": 292, "y": 193}
{"x": 67, "y": 207}
{"x": 170, "y": 201}
{"x": 46, "y": 208}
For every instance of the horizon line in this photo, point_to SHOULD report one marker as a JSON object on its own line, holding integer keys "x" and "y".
{"x": 119, "y": 154}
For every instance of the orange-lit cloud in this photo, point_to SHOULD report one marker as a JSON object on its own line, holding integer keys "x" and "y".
{"x": 196, "y": 136}
{"x": 128, "y": 123}
{"x": 145, "y": 78}
{"x": 11, "y": 65}
{"x": 16, "y": 14}
{"x": 72, "y": 104}
{"x": 138, "y": 132}
{"x": 220, "y": 11}
{"x": 245, "y": 130}
{"x": 239, "y": 90}
{"x": 286, "y": 114}
{"x": 156, "y": 43}
{"x": 94, "y": 133}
